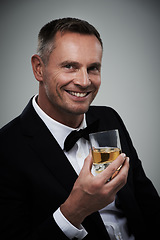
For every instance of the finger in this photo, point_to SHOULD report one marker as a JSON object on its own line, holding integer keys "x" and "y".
{"x": 111, "y": 169}
{"x": 88, "y": 163}
{"x": 118, "y": 169}
{"x": 121, "y": 178}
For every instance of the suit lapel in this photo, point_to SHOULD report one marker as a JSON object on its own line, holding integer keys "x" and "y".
{"x": 47, "y": 149}
{"x": 92, "y": 116}
{"x": 53, "y": 157}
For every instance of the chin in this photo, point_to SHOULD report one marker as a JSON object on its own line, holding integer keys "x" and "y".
{"x": 77, "y": 110}
{"x": 80, "y": 111}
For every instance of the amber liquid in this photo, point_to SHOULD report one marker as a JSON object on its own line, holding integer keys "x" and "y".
{"x": 102, "y": 157}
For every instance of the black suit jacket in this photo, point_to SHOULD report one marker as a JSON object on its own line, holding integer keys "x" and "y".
{"x": 36, "y": 178}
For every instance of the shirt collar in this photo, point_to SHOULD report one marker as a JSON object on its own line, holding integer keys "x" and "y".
{"x": 58, "y": 130}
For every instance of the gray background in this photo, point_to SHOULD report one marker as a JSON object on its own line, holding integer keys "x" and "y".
{"x": 130, "y": 30}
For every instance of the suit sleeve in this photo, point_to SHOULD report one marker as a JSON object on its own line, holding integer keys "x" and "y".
{"x": 143, "y": 189}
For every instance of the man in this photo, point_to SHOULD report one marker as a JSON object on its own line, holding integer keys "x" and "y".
{"x": 47, "y": 191}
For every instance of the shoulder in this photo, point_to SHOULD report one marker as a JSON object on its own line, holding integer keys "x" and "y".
{"x": 11, "y": 127}
{"x": 98, "y": 109}
{"x": 103, "y": 111}
{"x": 108, "y": 117}
{"x": 15, "y": 127}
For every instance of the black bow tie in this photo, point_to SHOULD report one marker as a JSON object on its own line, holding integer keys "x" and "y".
{"x": 75, "y": 135}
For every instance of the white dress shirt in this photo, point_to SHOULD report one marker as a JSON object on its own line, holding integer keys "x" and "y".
{"x": 113, "y": 218}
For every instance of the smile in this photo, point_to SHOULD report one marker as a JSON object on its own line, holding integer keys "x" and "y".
{"x": 78, "y": 94}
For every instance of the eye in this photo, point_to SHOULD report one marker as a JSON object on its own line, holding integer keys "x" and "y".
{"x": 68, "y": 66}
{"x": 94, "y": 69}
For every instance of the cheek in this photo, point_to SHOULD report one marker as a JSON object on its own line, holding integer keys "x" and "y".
{"x": 61, "y": 79}
{"x": 97, "y": 82}
{"x": 56, "y": 83}
{"x": 52, "y": 80}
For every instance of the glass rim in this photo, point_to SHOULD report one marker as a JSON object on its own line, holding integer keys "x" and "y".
{"x": 116, "y": 130}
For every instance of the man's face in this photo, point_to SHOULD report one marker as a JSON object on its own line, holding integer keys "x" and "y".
{"x": 72, "y": 76}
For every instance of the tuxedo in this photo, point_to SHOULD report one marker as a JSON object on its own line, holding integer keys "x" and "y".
{"x": 36, "y": 178}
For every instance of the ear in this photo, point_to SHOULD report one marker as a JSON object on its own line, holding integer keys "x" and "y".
{"x": 37, "y": 66}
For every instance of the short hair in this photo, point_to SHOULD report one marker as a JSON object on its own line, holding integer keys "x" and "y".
{"x": 48, "y": 32}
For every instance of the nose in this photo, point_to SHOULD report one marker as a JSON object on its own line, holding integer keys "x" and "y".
{"x": 82, "y": 78}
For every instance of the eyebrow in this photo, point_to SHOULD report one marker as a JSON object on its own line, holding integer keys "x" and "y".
{"x": 74, "y": 63}
{"x": 69, "y": 62}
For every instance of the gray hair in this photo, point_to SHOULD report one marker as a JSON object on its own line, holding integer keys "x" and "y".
{"x": 48, "y": 32}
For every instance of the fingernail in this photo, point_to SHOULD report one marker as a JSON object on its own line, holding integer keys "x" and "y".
{"x": 127, "y": 159}
{"x": 123, "y": 155}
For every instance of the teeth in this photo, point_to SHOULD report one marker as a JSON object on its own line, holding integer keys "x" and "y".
{"x": 78, "y": 94}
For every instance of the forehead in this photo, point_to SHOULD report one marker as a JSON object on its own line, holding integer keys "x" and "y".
{"x": 75, "y": 45}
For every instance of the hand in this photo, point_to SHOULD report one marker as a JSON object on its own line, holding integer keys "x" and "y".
{"x": 92, "y": 193}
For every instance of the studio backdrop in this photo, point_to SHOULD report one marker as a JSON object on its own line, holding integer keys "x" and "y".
{"x": 130, "y": 30}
